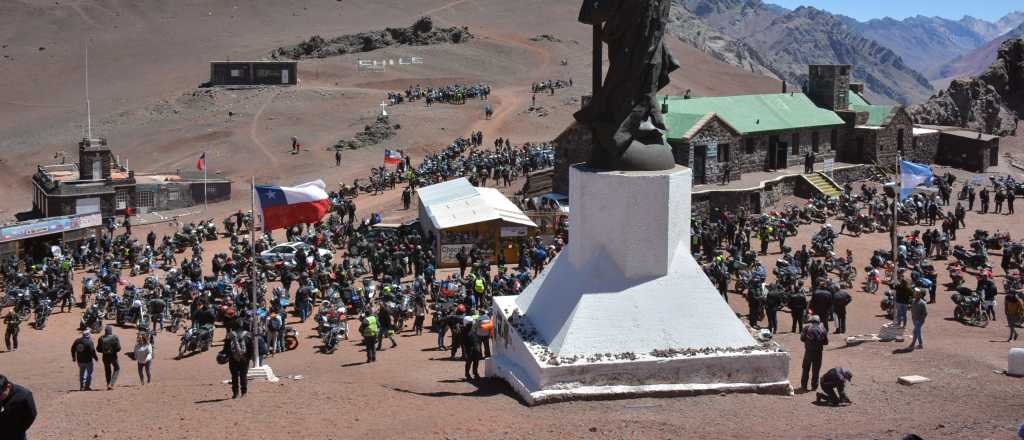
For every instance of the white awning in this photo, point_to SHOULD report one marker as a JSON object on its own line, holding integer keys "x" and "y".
{"x": 457, "y": 202}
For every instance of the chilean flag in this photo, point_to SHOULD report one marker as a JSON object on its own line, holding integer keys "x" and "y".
{"x": 201, "y": 163}
{"x": 286, "y": 206}
{"x": 392, "y": 157}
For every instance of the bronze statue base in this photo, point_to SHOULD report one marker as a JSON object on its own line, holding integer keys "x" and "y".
{"x": 637, "y": 157}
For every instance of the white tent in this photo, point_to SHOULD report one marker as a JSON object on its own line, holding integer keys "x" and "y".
{"x": 457, "y": 203}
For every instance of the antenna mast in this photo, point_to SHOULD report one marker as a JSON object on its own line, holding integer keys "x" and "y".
{"x": 88, "y": 104}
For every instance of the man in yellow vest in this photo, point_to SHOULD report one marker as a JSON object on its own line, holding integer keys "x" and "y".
{"x": 369, "y": 329}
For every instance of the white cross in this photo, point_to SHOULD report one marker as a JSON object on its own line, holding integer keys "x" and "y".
{"x": 382, "y": 105}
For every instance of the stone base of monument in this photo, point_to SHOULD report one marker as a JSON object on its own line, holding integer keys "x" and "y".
{"x": 1015, "y": 362}
{"x": 259, "y": 374}
{"x": 625, "y": 310}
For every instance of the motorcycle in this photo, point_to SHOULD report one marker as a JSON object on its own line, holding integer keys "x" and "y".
{"x": 956, "y": 273}
{"x": 43, "y": 311}
{"x": 291, "y": 338}
{"x": 331, "y": 337}
{"x": 973, "y": 260}
{"x": 873, "y": 280}
{"x": 89, "y": 287}
{"x": 196, "y": 339}
{"x": 208, "y": 230}
{"x": 969, "y": 308}
{"x": 91, "y": 319}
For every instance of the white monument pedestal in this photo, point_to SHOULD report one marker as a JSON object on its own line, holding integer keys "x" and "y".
{"x": 625, "y": 310}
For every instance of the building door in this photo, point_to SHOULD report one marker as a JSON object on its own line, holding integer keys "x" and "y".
{"x": 97, "y": 169}
{"x": 773, "y": 147}
{"x": 284, "y": 76}
{"x": 781, "y": 160}
{"x": 700, "y": 157}
{"x": 860, "y": 150}
{"x": 993, "y": 157}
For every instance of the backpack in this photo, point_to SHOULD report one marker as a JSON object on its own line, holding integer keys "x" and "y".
{"x": 275, "y": 323}
{"x": 238, "y": 349}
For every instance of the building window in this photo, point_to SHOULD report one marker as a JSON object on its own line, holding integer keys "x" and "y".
{"x": 121, "y": 200}
{"x": 834, "y": 138}
{"x": 814, "y": 142}
{"x": 899, "y": 140}
{"x": 144, "y": 199}
{"x": 723, "y": 153}
{"x": 173, "y": 195}
{"x": 750, "y": 146}
{"x": 795, "y": 149}
{"x": 235, "y": 73}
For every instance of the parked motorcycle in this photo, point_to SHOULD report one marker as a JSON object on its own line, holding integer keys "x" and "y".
{"x": 196, "y": 339}
{"x": 969, "y": 309}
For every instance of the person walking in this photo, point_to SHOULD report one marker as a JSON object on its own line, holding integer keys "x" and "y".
{"x": 840, "y": 299}
{"x": 815, "y": 338}
{"x": 918, "y": 312}
{"x": 384, "y": 324}
{"x": 144, "y": 357}
{"x": 337, "y": 157}
{"x": 1014, "y": 313}
{"x": 17, "y": 410}
{"x": 239, "y": 346}
{"x": 83, "y": 352}
{"x": 833, "y": 383}
{"x": 797, "y": 306}
{"x": 109, "y": 346}
{"x": 12, "y": 327}
{"x": 420, "y": 309}
{"x": 1010, "y": 197}
{"x": 902, "y": 299}
{"x": 821, "y": 302}
{"x": 369, "y": 330}
{"x": 471, "y": 349}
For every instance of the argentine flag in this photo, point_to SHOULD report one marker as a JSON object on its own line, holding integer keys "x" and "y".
{"x": 913, "y": 175}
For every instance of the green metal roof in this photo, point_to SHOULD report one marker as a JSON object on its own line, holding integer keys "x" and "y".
{"x": 749, "y": 113}
{"x": 878, "y": 115}
{"x": 854, "y": 98}
{"x": 679, "y": 123}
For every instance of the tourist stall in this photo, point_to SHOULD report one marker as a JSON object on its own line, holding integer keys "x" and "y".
{"x": 460, "y": 215}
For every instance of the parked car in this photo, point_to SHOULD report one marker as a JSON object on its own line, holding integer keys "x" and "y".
{"x": 552, "y": 202}
{"x": 286, "y": 253}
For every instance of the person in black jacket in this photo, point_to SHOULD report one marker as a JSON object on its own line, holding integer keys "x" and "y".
{"x": 821, "y": 303}
{"x": 471, "y": 350}
{"x": 815, "y": 338}
{"x": 83, "y": 352}
{"x": 832, "y": 382}
{"x": 384, "y": 322}
{"x": 840, "y": 299}
{"x": 17, "y": 410}
{"x": 110, "y": 346}
{"x": 239, "y": 346}
{"x": 797, "y": 305}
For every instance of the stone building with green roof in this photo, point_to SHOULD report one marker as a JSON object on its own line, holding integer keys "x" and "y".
{"x": 721, "y": 138}
{"x": 748, "y": 133}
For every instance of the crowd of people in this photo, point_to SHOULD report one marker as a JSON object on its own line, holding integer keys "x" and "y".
{"x": 464, "y": 157}
{"x": 814, "y": 283}
{"x": 449, "y": 94}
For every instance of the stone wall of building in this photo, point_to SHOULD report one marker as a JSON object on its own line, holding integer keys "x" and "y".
{"x": 718, "y": 134}
{"x": 923, "y": 148}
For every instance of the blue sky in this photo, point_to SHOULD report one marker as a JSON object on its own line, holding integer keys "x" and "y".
{"x": 867, "y": 9}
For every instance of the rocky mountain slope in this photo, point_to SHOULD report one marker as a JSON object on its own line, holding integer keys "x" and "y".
{"x": 695, "y": 32}
{"x": 992, "y": 102}
{"x": 976, "y": 61}
{"x": 924, "y": 43}
{"x": 421, "y": 33}
{"x": 757, "y": 35}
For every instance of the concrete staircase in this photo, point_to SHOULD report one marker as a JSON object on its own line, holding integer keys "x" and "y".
{"x": 879, "y": 174}
{"x": 823, "y": 184}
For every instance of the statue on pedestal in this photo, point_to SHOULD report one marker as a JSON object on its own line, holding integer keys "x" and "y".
{"x": 629, "y": 131}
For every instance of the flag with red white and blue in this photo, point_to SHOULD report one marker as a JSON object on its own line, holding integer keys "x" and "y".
{"x": 286, "y": 206}
{"x": 201, "y": 163}
{"x": 392, "y": 157}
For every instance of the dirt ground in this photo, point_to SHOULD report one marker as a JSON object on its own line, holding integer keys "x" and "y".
{"x": 413, "y": 388}
{"x": 144, "y": 103}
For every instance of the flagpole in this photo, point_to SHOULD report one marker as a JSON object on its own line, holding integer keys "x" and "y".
{"x": 252, "y": 271}
{"x": 895, "y": 215}
{"x": 205, "y": 180}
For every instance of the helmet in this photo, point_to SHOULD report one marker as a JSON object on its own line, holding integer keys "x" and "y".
{"x": 461, "y": 308}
